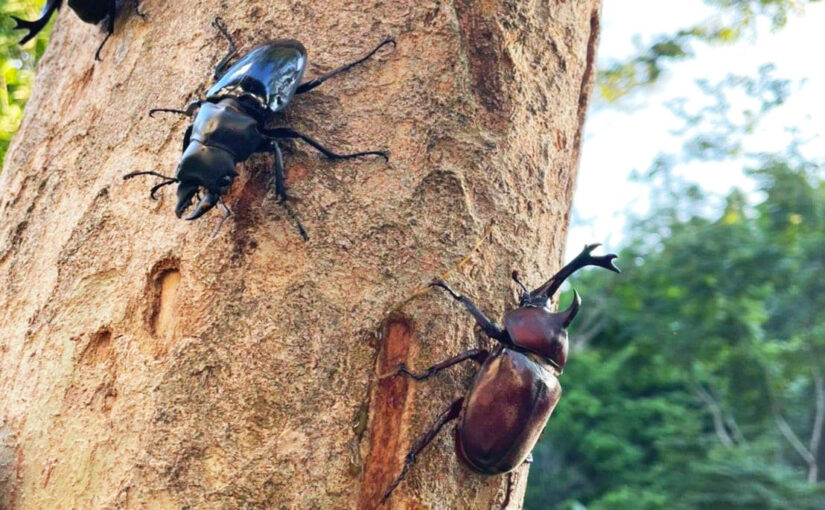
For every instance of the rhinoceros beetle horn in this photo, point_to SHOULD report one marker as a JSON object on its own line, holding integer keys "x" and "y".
{"x": 582, "y": 260}
{"x": 568, "y": 315}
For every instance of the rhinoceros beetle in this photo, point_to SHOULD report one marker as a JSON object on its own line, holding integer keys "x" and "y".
{"x": 90, "y": 11}
{"x": 516, "y": 389}
{"x": 230, "y": 125}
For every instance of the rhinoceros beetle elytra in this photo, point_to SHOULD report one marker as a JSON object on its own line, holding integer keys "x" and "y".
{"x": 230, "y": 125}
{"x": 516, "y": 388}
{"x": 90, "y": 11}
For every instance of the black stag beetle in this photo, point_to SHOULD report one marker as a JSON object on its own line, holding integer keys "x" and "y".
{"x": 516, "y": 389}
{"x": 230, "y": 125}
{"x": 90, "y": 11}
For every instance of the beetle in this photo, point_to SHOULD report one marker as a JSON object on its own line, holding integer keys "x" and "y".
{"x": 230, "y": 124}
{"x": 90, "y": 11}
{"x": 516, "y": 388}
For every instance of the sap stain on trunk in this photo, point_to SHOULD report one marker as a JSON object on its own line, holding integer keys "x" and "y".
{"x": 390, "y": 400}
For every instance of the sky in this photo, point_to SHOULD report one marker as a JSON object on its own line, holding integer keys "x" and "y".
{"x": 620, "y": 140}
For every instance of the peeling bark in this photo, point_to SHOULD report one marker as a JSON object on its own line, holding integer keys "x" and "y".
{"x": 144, "y": 365}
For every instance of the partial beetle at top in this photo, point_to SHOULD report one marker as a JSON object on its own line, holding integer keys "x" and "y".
{"x": 231, "y": 123}
{"x": 90, "y": 11}
{"x": 516, "y": 388}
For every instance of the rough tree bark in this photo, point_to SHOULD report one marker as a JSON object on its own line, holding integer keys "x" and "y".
{"x": 144, "y": 365}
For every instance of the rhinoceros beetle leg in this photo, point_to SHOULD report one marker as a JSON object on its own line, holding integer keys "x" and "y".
{"x": 450, "y": 414}
{"x": 280, "y": 188}
{"x": 511, "y": 480}
{"x": 221, "y": 67}
{"x": 306, "y": 87}
{"x": 286, "y": 132}
{"x": 477, "y": 355}
{"x": 35, "y": 27}
{"x": 110, "y": 27}
{"x": 489, "y": 327}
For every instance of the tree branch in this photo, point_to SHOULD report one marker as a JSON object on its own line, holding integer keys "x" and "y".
{"x": 819, "y": 422}
{"x": 718, "y": 416}
{"x": 784, "y": 428}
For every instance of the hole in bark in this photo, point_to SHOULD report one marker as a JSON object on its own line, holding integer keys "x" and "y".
{"x": 168, "y": 283}
{"x": 164, "y": 282}
{"x": 99, "y": 348}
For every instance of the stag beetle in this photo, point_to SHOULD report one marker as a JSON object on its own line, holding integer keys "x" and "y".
{"x": 90, "y": 11}
{"x": 516, "y": 389}
{"x": 230, "y": 123}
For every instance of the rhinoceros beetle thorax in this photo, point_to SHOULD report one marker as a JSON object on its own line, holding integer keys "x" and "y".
{"x": 537, "y": 330}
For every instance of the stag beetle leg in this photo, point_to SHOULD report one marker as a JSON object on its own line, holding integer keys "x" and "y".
{"x": 35, "y": 27}
{"x": 227, "y": 213}
{"x": 450, "y": 414}
{"x": 477, "y": 355}
{"x": 110, "y": 27}
{"x": 278, "y": 171}
{"x": 306, "y": 87}
{"x": 138, "y": 11}
{"x": 286, "y": 132}
{"x": 489, "y": 327}
{"x": 280, "y": 189}
{"x": 220, "y": 68}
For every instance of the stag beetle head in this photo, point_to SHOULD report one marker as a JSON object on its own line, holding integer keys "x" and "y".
{"x": 534, "y": 327}
{"x": 206, "y": 168}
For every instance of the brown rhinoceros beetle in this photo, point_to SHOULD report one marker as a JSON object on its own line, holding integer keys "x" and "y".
{"x": 516, "y": 389}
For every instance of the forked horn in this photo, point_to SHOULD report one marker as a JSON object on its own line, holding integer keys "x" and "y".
{"x": 582, "y": 260}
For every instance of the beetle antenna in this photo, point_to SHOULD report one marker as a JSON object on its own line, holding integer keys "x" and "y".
{"x": 515, "y": 276}
{"x": 153, "y": 111}
{"x": 166, "y": 181}
{"x": 582, "y": 260}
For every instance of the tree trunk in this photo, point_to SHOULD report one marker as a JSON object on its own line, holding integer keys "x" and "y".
{"x": 145, "y": 365}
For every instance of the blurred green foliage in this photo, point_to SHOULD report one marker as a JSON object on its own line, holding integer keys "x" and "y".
{"x": 696, "y": 377}
{"x": 16, "y": 65}
{"x": 732, "y": 20}
{"x": 697, "y": 374}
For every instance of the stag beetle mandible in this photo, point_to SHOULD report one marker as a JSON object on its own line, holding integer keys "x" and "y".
{"x": 516, "y": 389}
{"x": 90, "y": 11}
{"x": 230, "y": 123}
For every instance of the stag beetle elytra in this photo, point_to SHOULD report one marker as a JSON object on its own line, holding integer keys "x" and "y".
{"x": 516, "y": 389}
{"x": 230, "y": 123}
{"x": 90, "y": 11}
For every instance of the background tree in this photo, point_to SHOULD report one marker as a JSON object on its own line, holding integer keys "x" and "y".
{"x": 145, "y": 365}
